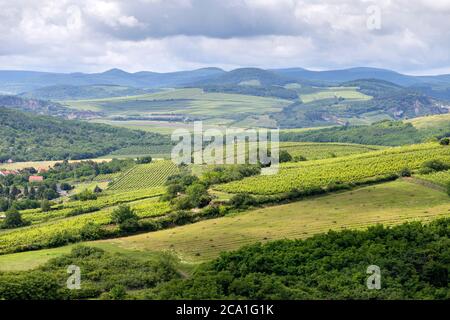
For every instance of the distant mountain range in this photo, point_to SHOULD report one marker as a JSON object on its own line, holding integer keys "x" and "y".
{"x": 16, "y": 82}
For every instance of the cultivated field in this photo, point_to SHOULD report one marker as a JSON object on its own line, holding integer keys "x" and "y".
{"x": 389, "y": 203}
{"x": 314, "y": 151}
{"x": 183, "y": 101}
{"x": 360, "y": 168}
{"x": 144, "y": 176}
{"x": 334, "y": 93}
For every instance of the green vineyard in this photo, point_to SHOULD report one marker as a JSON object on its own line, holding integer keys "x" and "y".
{"x": 441, "y": 178}
{"x": 315, "y": 151}
{"x": 144, "y": 176}
{"x": 106, "y": 199}
{"x": 351, "y": 169}
{"x": 58, "y": 232}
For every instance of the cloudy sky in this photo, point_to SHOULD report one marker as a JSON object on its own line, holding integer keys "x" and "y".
{"x": 411, "y": 36}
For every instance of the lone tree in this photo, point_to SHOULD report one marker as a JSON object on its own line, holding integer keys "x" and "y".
{"x": 126, "y": 218}
{"x": 13, "y": 219}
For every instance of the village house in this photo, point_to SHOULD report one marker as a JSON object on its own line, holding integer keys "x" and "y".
{"x": 35, "y": 179}
{"x": 5, "y": 173}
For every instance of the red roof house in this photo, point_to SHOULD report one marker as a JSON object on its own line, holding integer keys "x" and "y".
{"x": 8, "y": 172}
{"x": 35, "y": 179}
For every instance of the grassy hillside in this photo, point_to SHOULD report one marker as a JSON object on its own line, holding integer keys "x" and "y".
{"x": 29, "y": 138}
{"x": 189, "y": 102}
{"x": 390, "y": 203}
{"x": 412, "y": 259}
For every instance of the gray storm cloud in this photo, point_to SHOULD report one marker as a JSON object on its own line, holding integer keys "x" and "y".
{"x": 94, "y": 35}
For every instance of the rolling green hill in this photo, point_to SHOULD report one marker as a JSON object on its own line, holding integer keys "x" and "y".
{"x": 27, "y": 137}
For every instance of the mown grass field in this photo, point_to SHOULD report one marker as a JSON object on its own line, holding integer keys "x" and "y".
{"x": 389, "y": 203}
{"x": 183, "y": 101}
{"x": 441, "y": 178}
{"x": 431, "y": 122}
{"x": 337, "y": 92}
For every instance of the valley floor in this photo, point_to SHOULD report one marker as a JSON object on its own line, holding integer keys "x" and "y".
{"x": 388, "y": 203}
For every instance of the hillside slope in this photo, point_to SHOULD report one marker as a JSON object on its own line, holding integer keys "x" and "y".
{"x": 26, "y": 137}
{"x": 42, "y": 107}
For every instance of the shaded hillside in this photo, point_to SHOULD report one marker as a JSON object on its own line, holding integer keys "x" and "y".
{"x": 26, "y": 137}
{"x": 70, "y": 92}
{"x": 42, "y": 107}
{"x": 389, "y": 102}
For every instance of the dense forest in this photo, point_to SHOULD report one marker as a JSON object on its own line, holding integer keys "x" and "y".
{"x": 26, "y": 137}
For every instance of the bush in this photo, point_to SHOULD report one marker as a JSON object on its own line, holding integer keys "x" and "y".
{"x": 299, "y": 158}
{"x": 198, "y": 195}
{"x": 405, "y": 172}
{"x": 45, "y": 206}
{"x": 84, "y": 196}
{"x": 91, "y": 231}
{"x": 243, "y": 201}
{"x": 65, "y": 186}
{"x": 13, "y": 219}
{"x": 285, "y": 156}
{"x": 126, "y": 218}
{"x": 434, "y": 166}
{"x": 445, "y": 141}
{"x": 144, "y": 160}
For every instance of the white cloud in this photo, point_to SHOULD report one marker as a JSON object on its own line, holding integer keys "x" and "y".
{"x": 93, "y": 35}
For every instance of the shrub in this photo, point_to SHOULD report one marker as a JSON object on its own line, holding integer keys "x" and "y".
{"x": 45, "y": 206}
{"x": 434, "y": 165}
{"x": 13, "y": 219}
{"x": 243, "y": 200}
{"x": 405, "y": 172}
{"x": 126, "y": 218}
{"x": 299, "y": 158}
{"x": 285, "y": 156}
{"x": 91, "y": 231}
{"x": 144, "y": 160}
{"x": 84, "y": 196}
{"x": 445, "y": 141}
